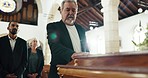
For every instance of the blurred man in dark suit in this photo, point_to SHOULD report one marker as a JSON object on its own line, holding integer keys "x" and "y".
{"x": 65, "y": 38}
{"x": 13, "y": 53}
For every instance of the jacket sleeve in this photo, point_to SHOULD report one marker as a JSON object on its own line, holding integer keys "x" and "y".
{"x": 24, "y": 61}
{"x": 3, "y": 72}
{"x": 41, "y": 56}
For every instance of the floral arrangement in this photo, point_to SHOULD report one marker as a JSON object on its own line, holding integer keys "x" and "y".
{"x": 144, "y": 44}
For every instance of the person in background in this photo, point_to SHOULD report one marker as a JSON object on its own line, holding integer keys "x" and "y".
{"x": 35, "y": 60}
{"x": 13, "y": 53}
{"x": 65, "y": 38}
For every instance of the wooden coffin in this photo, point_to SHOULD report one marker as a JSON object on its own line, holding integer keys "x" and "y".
{"x": 119, "y": 65}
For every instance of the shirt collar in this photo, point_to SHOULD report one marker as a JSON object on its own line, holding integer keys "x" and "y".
{"x": 11, "y": 38}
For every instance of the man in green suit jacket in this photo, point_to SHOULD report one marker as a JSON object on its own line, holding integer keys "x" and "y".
{"x": 65, "y": 38}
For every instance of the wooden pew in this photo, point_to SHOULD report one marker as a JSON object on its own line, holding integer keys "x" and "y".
{"x": 119, "y": 65}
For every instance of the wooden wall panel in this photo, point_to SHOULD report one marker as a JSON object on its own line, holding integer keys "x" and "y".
{"x": 24, "y": 14}
{"x": 18, "y": 17}
{"x": 15, "y": 17}
{"x": 29, "y": 12}
{"x": 35, "y": 15}
{"x": 4, "y": 18}
{"x": 11, "y": 18}
{"x": 27, "y": 15}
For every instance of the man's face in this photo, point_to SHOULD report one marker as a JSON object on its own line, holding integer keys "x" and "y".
{"x": 69, "y": 13}
{"x": 13, "y": 28}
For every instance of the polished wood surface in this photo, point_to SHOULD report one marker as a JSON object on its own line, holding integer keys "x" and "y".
{"x": 118, "y": 59}
{"x": 94, "y": 72}
{"x": 119, "y": 65}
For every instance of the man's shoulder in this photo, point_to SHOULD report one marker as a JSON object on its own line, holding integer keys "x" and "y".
{"x": 21, "y": 39}
{"x": 3, "y": 37}
{"x": 53, "y": 23}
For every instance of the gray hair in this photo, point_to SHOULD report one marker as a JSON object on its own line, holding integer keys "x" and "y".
{"x": 62, "y": 4}
{"x": 31, "y": 40}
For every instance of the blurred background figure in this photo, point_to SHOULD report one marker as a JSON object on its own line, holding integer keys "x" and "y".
{"x": 35, "y": 60}
{"x": 66, "y": 39}
{"x": 13, "y": 53}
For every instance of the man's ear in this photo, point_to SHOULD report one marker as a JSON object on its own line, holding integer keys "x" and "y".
{"x": 59, "y": 9}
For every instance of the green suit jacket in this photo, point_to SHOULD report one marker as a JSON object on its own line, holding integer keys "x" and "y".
{"x": 60, "y": 42}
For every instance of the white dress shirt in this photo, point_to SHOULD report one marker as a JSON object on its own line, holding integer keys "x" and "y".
{"x": 74, "y": 38}
{"x": 12, "y": 42}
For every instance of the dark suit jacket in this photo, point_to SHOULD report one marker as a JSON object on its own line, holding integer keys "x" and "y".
{"x": 61, "y": 44}
{"x": 12, "y": 61}
{"x": 39, "y": 65}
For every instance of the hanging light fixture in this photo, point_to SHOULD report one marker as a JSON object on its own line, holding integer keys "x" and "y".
{"x": 140, "y": 10}
{"x": 7, "y": 5}
{"x": 93, "y": 24}
{"x": 143, "y": 4}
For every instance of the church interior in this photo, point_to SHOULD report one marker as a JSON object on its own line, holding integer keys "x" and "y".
{"x": 113, "y": 28}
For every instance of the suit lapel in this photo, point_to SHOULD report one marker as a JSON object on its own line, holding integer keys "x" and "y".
{"x": 66, "y": 35}
{"x": 17, "y": 44}
{"x": 81, "y": 36}
{"x": 79, "y": 31}
{"x": 8, "y": 44}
